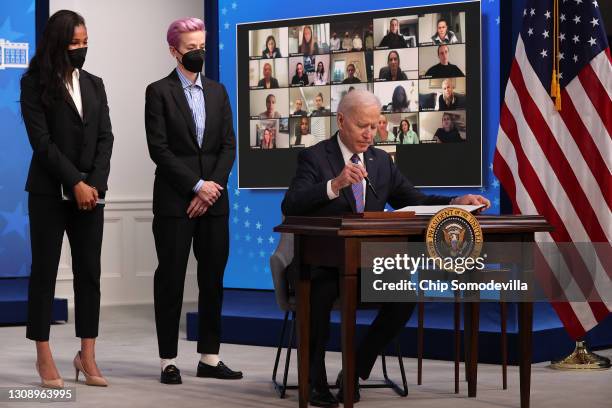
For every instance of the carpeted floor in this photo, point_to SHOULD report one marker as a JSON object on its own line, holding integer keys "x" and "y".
{"x": 127, "y": 355}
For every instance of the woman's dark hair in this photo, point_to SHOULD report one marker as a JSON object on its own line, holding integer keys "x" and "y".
{"x": 399, "y": 101}
{"x": 399, "y": 62}
{"x": 270, "y": 37}
{"x": 51, "y": 61}
{"x": 298, "y": 130}
{"x": 401, "y": 133}
{"x": 296, "y": 68}
{"x": 322, "y": 71}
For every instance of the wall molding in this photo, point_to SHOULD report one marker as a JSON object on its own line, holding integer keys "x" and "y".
{"x": 128, "y": 256}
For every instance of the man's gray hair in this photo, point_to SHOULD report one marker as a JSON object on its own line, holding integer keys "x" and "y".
{"x": 356, "y": 99}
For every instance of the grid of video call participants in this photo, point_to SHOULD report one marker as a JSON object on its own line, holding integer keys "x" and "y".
{"x": 415, "y": 64}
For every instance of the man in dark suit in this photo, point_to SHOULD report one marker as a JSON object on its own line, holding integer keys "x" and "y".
{"x": 330, "y": 180}
{"x": 188, "y": 121}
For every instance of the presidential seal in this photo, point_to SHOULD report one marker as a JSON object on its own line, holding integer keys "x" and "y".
{"x": 453, "y": 233}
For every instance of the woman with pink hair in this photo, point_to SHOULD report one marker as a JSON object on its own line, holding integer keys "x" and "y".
{"x": 188, "y": 121}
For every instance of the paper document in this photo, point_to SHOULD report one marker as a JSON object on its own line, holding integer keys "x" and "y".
{"x": 432, "y": 209}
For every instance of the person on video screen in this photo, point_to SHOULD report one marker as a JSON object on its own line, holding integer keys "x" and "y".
{"x": 357, "y": 42}
{"x": 406, "y": 135}
{"x": 449, "y": 100}
{"x": 308, "y": 46}
{"x": 302, "y": 135}
{"x": 334, "y": 42}
{"x": 347, "y": 42}
{"x": 448, "y": 133}
{"x": 268, "y": 81}
{"x": 394, "y": 38}
{"x": 444, "y": 69}
{"x": 382, "y": 131}
{"x": 351, "y": 78}
{"x": 271, "y": 50}
{"x": 444, "y": 35}
{"x": 369, "y": 40}
{"x": 393, "y": 70}
{"x": 267, "y": 141}
{"x": 298, "y": 108}
{"x": 300, "y": 77}
{"x": 320, "y": 77}
{"x": 399, "y": 101}
{"x": 270, "y": 112}
{"x": 320, "y": 109}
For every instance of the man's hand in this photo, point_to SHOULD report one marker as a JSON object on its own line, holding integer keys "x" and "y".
{"x": 197, "y": 207}
{"x": 209, "y": 192}
{"x": 472, "y": 199}
{"x": 351, "y": 173}
{"x": 85, "y": 196}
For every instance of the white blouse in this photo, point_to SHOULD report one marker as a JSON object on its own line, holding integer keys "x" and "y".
{"x": 75, "y": 91}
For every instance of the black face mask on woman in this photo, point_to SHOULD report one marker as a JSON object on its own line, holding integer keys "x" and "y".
{"x": 193, "y": 60}
{"x": 77, "y": 57}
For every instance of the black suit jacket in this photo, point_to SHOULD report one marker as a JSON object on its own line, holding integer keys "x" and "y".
{"x": 63, "y": 144}
{"x": 385, "y": 73}
{"x": 457, "y": 104}
{"x": 173, "y": 146}
{"x": 273, "y": 83}
{"x": 307, "y": 194}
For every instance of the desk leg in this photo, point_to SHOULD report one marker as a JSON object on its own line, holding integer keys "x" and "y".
{"x": 348, "y": 298}
{"x": 470, "y": 330}
{"x": 303, "y": 329}
{"x": 525, "y": 349}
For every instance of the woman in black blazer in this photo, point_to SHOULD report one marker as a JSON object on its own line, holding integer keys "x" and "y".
{"x": 65, "y": 112}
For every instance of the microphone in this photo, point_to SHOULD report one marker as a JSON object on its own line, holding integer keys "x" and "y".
{"x": 368, "y": 182}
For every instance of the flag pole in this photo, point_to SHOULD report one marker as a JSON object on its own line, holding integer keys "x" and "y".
{"x": 557, "y": 41}
{"x": 553, "y": 81}
{"x": 555, "y": 87}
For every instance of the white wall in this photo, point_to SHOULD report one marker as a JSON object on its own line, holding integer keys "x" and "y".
{"x": 128, "y": 49}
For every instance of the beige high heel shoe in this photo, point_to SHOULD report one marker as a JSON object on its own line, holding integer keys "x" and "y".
{"x": 89, "y": 379}
{"x": 57, "y": 383}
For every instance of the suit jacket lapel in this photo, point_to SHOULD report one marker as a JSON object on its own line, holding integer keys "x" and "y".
{"x": 181, "y": 102}
{"x": 70, "y": 101}
{"x": 206, "y": 110}
{"x": 336, "y": 161}
{"x": 87, "y": 95}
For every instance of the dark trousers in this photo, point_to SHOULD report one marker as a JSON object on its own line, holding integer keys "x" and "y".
{"x": 173, "y": 236}
{"x": 49, "y": 219}
{"x": 391, "y": 318}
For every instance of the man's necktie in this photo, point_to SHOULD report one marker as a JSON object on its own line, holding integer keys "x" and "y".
{"x": 358, "y": 189}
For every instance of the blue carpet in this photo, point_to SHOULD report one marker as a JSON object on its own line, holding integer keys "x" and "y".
{"x": 253, "y": 318}
{"x": 14, "y": 303}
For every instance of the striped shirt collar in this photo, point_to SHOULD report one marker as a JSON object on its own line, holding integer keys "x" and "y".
{"x": 186, "y": 83}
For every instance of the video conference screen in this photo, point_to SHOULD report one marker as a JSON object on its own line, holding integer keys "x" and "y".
{"x": 423, "y": 63}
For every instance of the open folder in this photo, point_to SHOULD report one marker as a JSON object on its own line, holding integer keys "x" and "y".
{"x": 432, "y": 209}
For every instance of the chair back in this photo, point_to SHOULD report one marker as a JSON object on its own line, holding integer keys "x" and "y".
{"x": 279, "y": 261}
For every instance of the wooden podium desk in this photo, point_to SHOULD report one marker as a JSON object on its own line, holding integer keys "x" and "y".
{"x": 336, "y": 241}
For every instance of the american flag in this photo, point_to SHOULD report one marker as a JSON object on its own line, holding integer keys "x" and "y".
{"x": 558, "y": 163}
